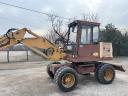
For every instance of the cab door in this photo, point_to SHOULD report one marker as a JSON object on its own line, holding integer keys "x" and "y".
{"x": 87, "y": 42}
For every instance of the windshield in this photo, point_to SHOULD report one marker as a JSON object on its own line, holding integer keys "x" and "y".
{"x": 71, "y": 47}
{"x": 72, "y": 35}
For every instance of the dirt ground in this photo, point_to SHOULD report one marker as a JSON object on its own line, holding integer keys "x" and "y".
{"x": 31, "y": 79}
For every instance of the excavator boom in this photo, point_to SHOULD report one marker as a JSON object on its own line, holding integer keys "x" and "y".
{"x": 36, "y": 43}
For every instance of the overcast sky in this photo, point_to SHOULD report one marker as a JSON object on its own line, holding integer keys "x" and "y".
{"x": 109, "y": 11}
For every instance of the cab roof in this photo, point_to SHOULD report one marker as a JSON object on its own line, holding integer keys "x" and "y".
{"x": 87, "y": 23}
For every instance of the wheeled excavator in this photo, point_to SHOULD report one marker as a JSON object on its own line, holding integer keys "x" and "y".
{"x": 82, "y": 49}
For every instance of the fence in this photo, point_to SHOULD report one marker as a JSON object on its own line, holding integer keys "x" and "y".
{"x": 19, "y": 56}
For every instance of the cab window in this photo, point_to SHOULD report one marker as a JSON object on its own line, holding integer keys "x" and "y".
{"x": 85, "y": 35}
{"x": 89, "y": 34}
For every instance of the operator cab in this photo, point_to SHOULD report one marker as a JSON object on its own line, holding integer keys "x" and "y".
{"x": 83, "y": 43}
{"x": 81, "y": 33}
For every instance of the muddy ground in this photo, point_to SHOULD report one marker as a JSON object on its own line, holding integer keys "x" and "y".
{"x": 31, "y": 79}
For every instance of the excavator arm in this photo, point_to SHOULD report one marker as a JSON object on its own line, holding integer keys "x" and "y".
{"x": 36, "y": 43}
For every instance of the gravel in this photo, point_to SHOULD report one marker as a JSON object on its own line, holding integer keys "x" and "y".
{"x": 31, "y": 79}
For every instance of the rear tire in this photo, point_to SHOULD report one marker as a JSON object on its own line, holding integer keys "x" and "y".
{"x": 106, "y": 74}
{"x": 66, "y": 78}
{"x": 51, "y": 75}
{"x": 97, "y": 70}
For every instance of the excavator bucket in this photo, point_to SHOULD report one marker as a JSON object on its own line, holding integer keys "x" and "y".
{"x": 11, "y": 38}
{"x": 4, "y": 41}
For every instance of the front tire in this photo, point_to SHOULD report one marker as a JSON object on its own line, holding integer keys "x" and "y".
{"x": 106, "y": 74}
{"x": 51, "y": 75}
{"x": 66, "y": 78}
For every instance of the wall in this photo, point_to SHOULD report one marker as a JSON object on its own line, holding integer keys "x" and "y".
{"x": 17, "y": 56}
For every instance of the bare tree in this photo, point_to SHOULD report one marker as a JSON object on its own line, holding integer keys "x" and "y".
{"x": 92, "y": 17}
{"x": 57, "y": 29}
{"x": 56, "y": 23}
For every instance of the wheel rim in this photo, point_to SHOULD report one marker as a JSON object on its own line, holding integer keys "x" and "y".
{"x": 108, "y": 74}
{"x": 68, "y": 80}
